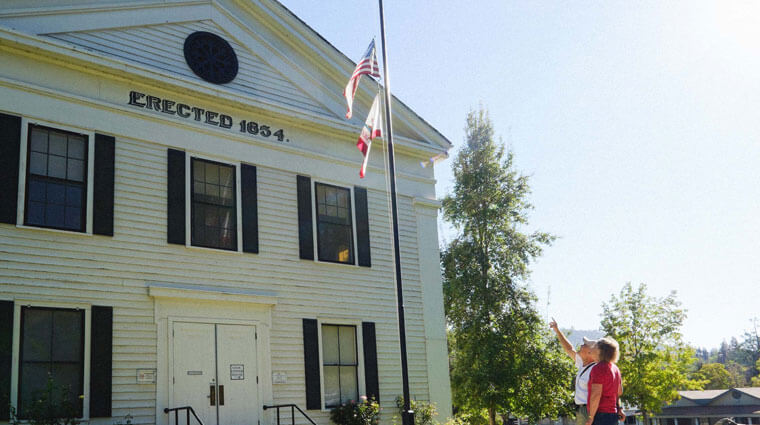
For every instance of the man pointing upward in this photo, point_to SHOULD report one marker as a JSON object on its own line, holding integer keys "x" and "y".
{"x": 584, "y": 361}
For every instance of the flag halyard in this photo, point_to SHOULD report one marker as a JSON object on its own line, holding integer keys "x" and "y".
{"x": 367, "y": 65}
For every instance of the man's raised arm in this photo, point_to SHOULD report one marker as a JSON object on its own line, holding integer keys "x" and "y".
{"x": 562, "y": 339}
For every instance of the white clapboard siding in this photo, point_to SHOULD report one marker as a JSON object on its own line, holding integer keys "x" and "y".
{"x": 114, "y": 271}
{"x": 161, "y": 47}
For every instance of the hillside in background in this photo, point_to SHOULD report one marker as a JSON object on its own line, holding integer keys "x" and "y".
{"x": 576, "y": 335}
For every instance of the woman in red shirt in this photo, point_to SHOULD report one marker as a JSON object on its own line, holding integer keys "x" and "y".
{"x": 605, "y": 385}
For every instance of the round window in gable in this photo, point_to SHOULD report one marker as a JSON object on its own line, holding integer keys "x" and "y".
{"x": 211, "y": 57}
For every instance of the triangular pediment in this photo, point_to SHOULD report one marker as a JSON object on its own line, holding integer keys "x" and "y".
{"x": 161, "y": 47}
{"x": 282, "y": 61}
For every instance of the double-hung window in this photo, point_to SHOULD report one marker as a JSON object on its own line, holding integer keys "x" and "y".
{"x": 56, "y": 180}
{"x": 51, "y": 348}
{"x": 339, "y": 364}
{"x": 335, "y": 234}
{"x": 214, "y": 208}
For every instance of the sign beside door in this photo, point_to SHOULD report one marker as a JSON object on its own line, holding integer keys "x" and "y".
{"x": 237, "y": 372}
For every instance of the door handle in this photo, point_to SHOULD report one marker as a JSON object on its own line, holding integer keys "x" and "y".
{"x": 221, "y": 395}
{"x": 212, "y": 396}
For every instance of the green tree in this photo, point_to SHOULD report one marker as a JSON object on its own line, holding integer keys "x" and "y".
{"x": 738, "y": 374}
{"x": 756, "y": 380}
{"x": 715, "y": 375}
{"x": 654, "y": 360}
{"x": 498, "y": 343}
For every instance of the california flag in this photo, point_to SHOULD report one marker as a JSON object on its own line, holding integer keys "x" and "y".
{"x": 372, "y": 128}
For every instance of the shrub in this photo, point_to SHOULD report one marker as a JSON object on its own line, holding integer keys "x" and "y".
{"x": 366, "y": 412}
{"x": 51, "y": 406}
{"x": 424, "y": 411}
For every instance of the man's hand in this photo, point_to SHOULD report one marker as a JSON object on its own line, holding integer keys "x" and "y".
{"x": 589, "y": 421}
{"x": 621, "y": 414}
{"x": 553, "y": 324}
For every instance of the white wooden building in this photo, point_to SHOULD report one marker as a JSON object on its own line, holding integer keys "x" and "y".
{"x": 182, "y": 221}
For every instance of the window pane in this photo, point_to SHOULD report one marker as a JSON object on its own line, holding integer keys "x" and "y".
{"x": 38, "y": 163}
{"x": 75, "y": 170}
{"x": 212, "y": 173}
{"x": 226, "y": 176}
{"x": 227, "y": 196}
{"x": 35, "y": 213}
{"x": 332, "y": 386}
{"x": 39, "y": 140}
{"x": 211, "y": 215}
{"x": 330, "y": 198}
{"x": 212, "y": 193}
{"x": 342, "y": 199}
{"x": 347, "y": 336}
{"x": 57, "y": 166}
{"x": 76, "y": 147}
{"x": 74, "y": 196}
{"x": 67, "y": 335}
{"x": 68, "y": 380}
{"x": 335, "y": 243}
{"x": 57, "y": 144}
{"x": 226, "y": 218}
{"x": 348, "y": 384}
{"x": 73, "y": 218}
{"x": 38, "y": 328}
{"x": 37, "y": 190}
{"x": 68, "y": 377}
{"x": 34, "y": 377}
{"x": 56, "y": 193}
{"x": 54, "y": 215}
{"x": 330, "y": 353}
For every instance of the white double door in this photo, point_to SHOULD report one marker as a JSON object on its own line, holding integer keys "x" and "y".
{"x": 215, "y": 372}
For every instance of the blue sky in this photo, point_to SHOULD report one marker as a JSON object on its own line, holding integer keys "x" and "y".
{"x": 638, "y": 122}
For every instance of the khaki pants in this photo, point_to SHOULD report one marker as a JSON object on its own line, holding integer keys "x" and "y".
{"x": 581, "y": 415}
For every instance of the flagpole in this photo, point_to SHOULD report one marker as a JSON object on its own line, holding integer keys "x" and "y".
{"x": 407, "y": 416}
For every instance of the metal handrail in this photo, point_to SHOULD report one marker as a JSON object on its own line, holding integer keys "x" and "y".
{"x": 188, "y": 410}
{"x": 293, "y": 407}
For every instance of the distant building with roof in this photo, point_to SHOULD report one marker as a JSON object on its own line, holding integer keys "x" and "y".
{"x": 742, "y": 405}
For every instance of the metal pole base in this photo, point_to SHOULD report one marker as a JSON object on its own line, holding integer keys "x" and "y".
{"x": 407, "y": 418}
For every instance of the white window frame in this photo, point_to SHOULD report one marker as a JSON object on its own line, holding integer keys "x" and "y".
{"x": 361, "y": 387}
{"x": 315, "y": 232}
{"x": 24, "y": 148}
{"x": 16, "y": 353}
{"x": 189, "y": 156}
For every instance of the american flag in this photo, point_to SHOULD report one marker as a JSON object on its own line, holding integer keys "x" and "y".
{"x": 372, "y": 128}
{"x": 367, "y": 65}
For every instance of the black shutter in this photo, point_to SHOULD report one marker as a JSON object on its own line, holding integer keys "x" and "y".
{"x": 311, "y": 364}
{"x": 102, "y": 202}
{"x": 305, "y": 231}
{"x": 250, "y": 208}
{"x": 362, "y": 226}
{"x": 6, "y": 353}
{"x": 371, "y": 380}
{"x": 101, "y": 346}
{"x": 176, "y": 197}
{"x": 10, "y": 146}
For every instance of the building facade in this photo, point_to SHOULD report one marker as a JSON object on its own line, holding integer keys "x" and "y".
{"x": 740, "y": 405}
{"x": 182, "y": 222}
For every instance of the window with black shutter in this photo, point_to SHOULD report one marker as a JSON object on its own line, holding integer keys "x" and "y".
{"x": 51, "y": 348}
{"x": 56, "y": 179}
{"x": 214, "y": 208}
{"x": 335, "y": 233}
{"x": 340, "y": 364}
